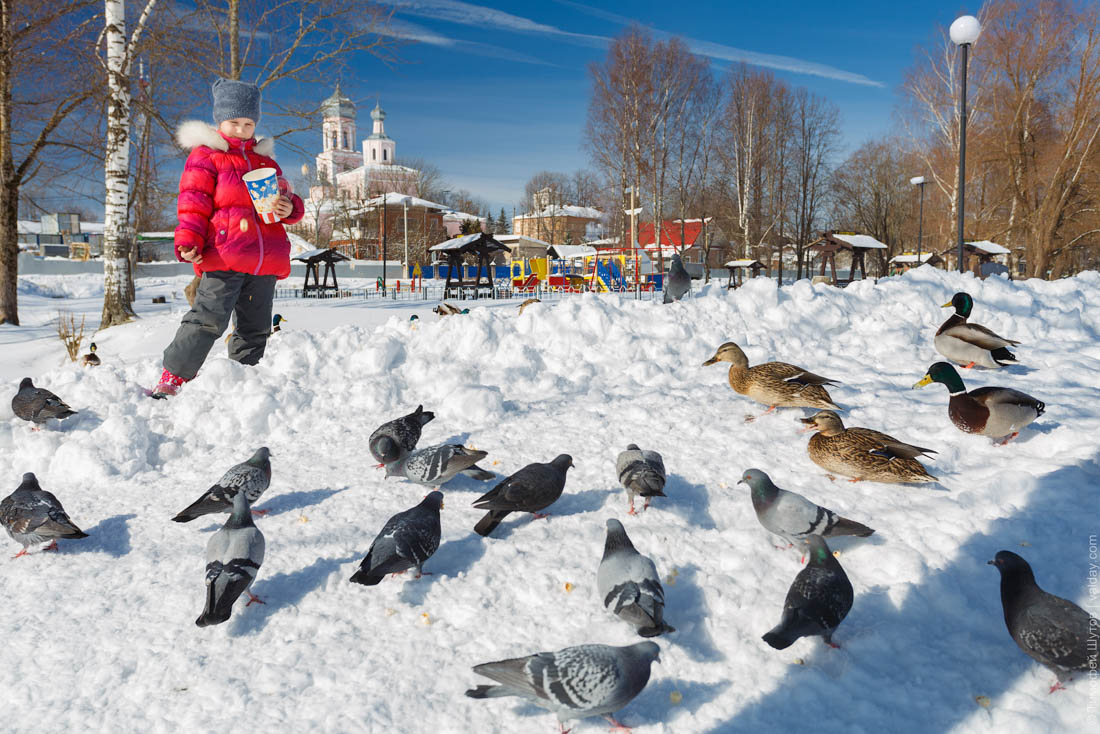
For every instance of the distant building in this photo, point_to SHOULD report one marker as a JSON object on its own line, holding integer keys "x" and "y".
{"x": 560, "y": 224}
{"x": 686, "y": 238}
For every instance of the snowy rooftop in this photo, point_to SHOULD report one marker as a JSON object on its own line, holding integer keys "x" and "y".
{"x": 512, "y": 241}
{"x": 743, "y": 263}
{"x": 911, "y": 257}
{"x": 990, "y": 247}
{"x": 861, "y": 240}
{"x": 568, "y": 252}
{"x": 584, "y": 212}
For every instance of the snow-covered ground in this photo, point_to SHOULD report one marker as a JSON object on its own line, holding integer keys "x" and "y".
{"x": 102, "y": 634}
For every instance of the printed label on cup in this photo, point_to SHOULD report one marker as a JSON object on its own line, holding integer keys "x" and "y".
{"x": 263, "y": 187}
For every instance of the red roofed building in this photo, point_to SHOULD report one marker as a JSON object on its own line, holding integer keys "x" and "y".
{"x": 683, "y": 238}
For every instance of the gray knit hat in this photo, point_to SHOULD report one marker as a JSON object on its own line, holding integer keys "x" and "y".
{"x": 233, "y": 99}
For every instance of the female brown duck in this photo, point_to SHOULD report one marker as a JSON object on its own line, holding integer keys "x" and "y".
{"x": 861, "y": 453}
{"x": 775, "y": 384}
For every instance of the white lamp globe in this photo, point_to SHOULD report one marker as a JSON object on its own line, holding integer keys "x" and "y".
{"x": 965, "y": 30}
{"x": 917, "y": 180}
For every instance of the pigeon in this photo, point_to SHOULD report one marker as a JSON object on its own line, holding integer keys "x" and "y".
{"x": 233, "y": 558}
{"x": 37, "y": 404}
{"x": 793, "y": 517}
{"x": 407, "y": 540}
{"x": 817, "y": 601}
{"x": 534, "y": 487}
{"x": 642, "y": 473}
{"x": 32, "y": 515}
{"x": 679, "y": 281}
{"x": 391, "y": 441}
{"x": 629, "y": 585}
{"x": 437, "y": 465}
{"x": 253, "y": 477}
{"x": 574, "y": 683}
{"x": 1052, "y": 630}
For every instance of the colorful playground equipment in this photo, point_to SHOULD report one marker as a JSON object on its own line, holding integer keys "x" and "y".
{"x": 582, "y": 268}
{"x": 621, "y": 269}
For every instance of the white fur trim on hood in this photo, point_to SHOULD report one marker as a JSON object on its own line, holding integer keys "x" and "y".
{"x": 194, "y": 133}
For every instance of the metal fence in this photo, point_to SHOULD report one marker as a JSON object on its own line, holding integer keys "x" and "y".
{"x": 466, "y": 293}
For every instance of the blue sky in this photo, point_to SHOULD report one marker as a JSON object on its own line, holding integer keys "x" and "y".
{"x": 495, "y": 92}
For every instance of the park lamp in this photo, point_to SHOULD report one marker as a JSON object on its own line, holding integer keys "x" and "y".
{"x": 919, "y": 181}
{"x": 964, "y": 31}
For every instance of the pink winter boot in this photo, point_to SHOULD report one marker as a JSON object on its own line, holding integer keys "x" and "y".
{"x": 169, "y": 386}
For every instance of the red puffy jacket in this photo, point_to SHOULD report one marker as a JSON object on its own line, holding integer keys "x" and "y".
{"x": 216, "y": 212}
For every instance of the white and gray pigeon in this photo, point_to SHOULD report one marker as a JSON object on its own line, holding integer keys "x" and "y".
{"x": 678, "y": 280}
{"x": 32, "y": 515}
{"x": 436, "y": 465}
{"x": 817, "y": 602}
{"x": 392, "y": 440}
{"x": 531, "y": 489}
{"x": 37, "y": 404}
{"x": 642, "y": 473}
{"x": 407, "y": 540}
{"x": 1052, "y": 630}
{"x": 793, "y": 517}
{"x": 574, "y": 683}
{"x": 629, "y": 585}
{"x": 252, "y": 477}
{"x": 234, "y": 555}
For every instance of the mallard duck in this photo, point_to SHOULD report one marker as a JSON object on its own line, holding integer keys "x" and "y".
{"x": 775, "y": 384}
{"x": 91, "y": 359}
{"x": 861, "y": 453}
{"x": 990, "y": 411}
{"x": 275, "y": 321}
{"x": 971, "y": 344}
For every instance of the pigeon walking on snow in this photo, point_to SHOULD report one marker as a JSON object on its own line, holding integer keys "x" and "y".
{"x": 793, "y": 517}
{"x": 642, "y": 473}
{"x": 233, "y": 558}
{"x": 679, "y": 281}
{"x": 392, "y": 440}
{"x": 1052, "y": 630}
{"x": 534, "y": 487}
{"x": 407, "y": 540}
{"x": 574, "y": 683}
{"x": 37, "y": 404}
{"x": 252, "y": 477}
{"x": 32, "y": 515}
{"x": 436, "y": 465}
{"x": 629, "y": 585}
{"x": 817, "y": 602}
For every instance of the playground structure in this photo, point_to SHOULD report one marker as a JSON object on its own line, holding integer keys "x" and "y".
{"x": 578, "y": 268}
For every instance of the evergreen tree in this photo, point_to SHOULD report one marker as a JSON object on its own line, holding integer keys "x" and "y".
{"x": 503, "y": 225}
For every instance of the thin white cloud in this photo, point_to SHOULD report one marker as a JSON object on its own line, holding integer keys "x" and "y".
{"x": 412, "y": 32}
{"x": 455, "y": 11}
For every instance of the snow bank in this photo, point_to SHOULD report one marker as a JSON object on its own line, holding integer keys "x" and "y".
{"x": 583, "y": 376}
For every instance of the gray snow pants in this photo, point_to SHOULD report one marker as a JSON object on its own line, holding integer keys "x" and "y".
{"x": 220, "y": 294}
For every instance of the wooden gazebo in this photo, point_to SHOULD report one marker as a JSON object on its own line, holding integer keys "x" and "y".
{"x": 313, "y": 260}
{"x": 908, "y": 260}
{"x": 831, "y": 243}
{"x": 484, "y": 245}
{"x": 737, "y": 270}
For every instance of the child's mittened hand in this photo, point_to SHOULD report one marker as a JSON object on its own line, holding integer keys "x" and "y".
{"x": 284, "y": 207}
{"x": 191, "y": 255}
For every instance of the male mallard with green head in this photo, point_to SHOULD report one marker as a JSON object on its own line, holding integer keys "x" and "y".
{"x": 861, "y": 453}
{"x": 91, "y": 359}
{"x": 971, "y": 344}
{"x": 775, "y": 384}
{"x": 990, "y": 411}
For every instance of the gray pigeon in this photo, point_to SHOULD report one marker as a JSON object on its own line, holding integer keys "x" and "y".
{"x": 817, "y": 602}
{"x": 642, "y": 473}
{"x": 574, "y": 683}
{"x": 629, "y": 585}
{"x": 534, "y": 487}
{"x": 678, "y": 280}
{"x": 437, "y": 465}
{"x": 37, "y": 404}
{"x": 32, "y": 515}
{"x": 1052, "y": 630}
{"x": 793, "y": 517}
{"x": 233, "y": 558}
{"x": 406, "y": 541}
{"x": 391, "y": 441}
{"x": 253, "y": 477}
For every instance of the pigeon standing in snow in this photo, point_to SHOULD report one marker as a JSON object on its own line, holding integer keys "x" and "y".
{"x": 574, "y": 683}
{"x": 629, "y": 585}
{"x": 252, "y": 477}
{"x": 1052, "y": 630}
{"x": 392, "y": 440}
{"x": 679, "y": 281}
{"x": 233, "y": 558}
{"x": 534, "y": 487}
{"x": 37, "y": 404}
{"x": 817, "y": 602}
{"x": 437, "y": 465}
{"x": 32, "y": 515}
{"x": 793, "y": 517}
{"x": 406, "y": 541}
{"x": 642, "y": 473}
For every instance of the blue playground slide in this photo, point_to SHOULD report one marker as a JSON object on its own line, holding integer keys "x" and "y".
{"x": 606, "y": 279}
{"x": 616, "y": 276}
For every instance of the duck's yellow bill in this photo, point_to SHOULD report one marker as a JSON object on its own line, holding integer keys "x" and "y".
{"x": 926, "y": 380}
{"x": 946, "y": 305}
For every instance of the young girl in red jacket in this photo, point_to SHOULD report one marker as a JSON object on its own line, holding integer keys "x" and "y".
{"x": 237, "y": 255}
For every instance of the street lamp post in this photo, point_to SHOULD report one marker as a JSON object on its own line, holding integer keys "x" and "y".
{"x": 964, "y": 31}
{"x": 919, "y": 181}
